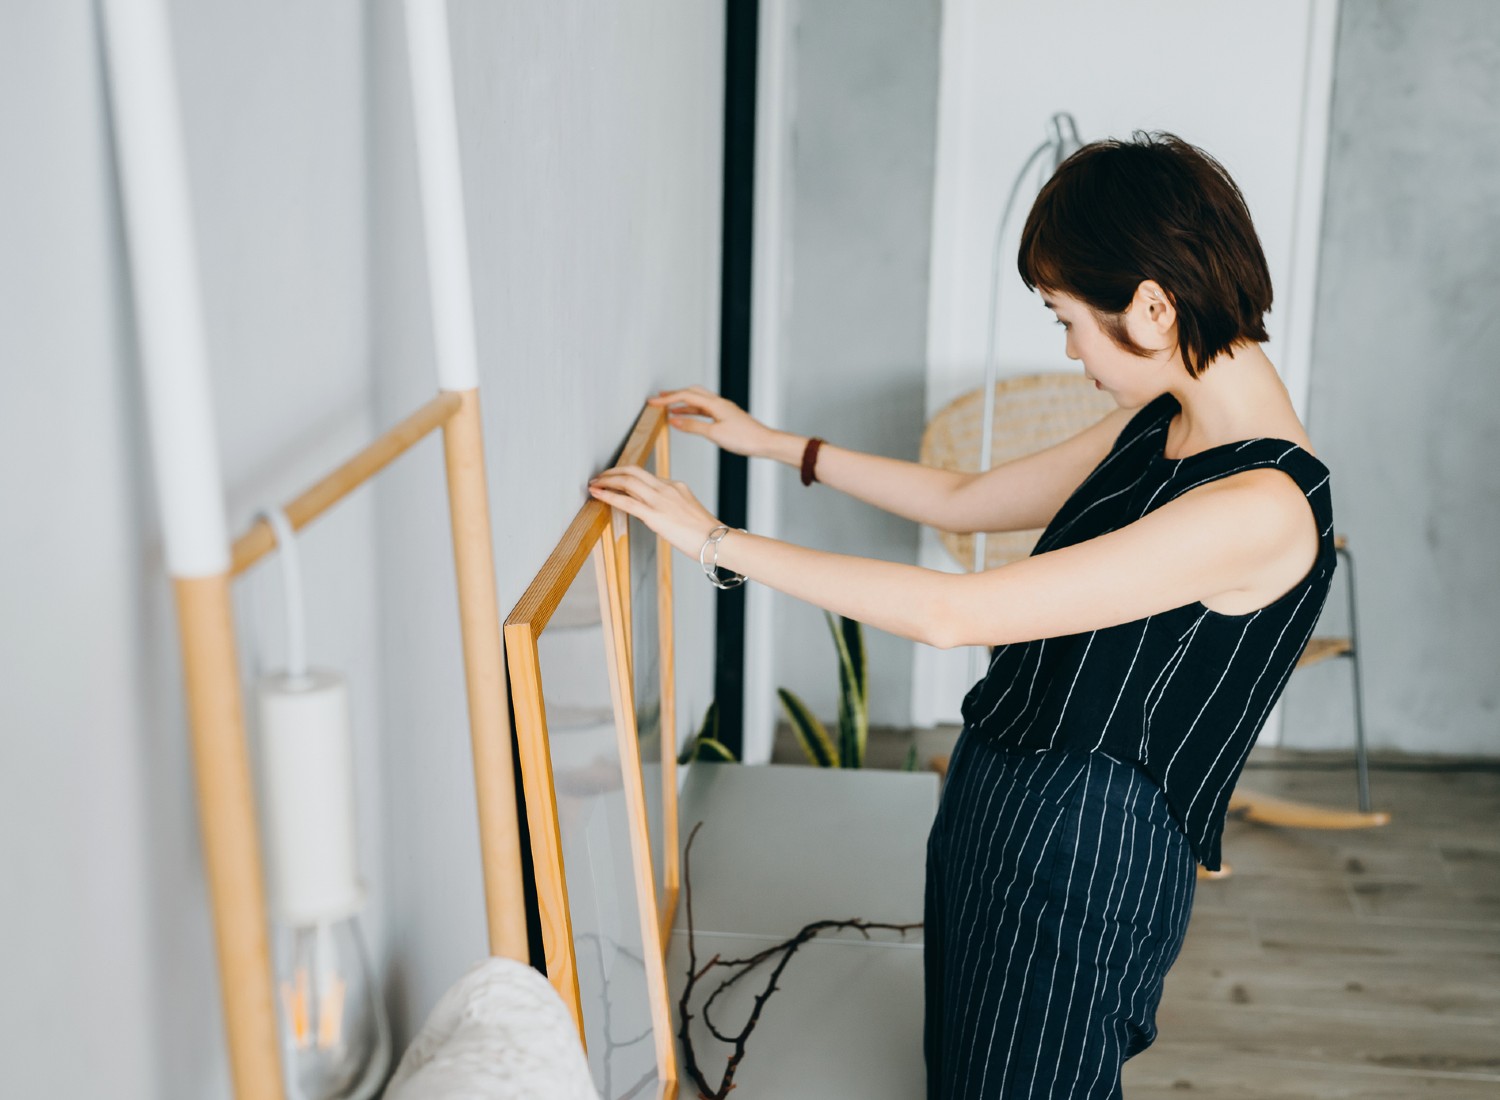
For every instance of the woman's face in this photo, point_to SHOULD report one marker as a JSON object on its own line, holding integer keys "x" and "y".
{"x": 1130, "y": 379}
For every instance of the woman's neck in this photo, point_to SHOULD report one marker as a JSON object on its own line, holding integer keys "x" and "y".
{"x": 1240, "y": 395}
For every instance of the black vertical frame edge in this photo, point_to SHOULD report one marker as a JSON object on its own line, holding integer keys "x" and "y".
{"x": 742, "y": 18}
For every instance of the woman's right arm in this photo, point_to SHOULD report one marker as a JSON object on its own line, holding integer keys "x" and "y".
{"x": 1018, "y": 495}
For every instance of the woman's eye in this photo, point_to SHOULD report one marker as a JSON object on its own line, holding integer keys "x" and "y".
{"x": 1064, "y": 324}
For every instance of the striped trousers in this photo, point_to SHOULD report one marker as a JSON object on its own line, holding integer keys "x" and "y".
{"x": 1058, "y": 893}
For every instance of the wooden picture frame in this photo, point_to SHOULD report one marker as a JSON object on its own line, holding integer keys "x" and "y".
{"x": 569, "y": 666}
{"x": 646, "y": 592}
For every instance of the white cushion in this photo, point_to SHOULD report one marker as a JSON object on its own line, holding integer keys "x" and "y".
{"x": 500, "y": 1031}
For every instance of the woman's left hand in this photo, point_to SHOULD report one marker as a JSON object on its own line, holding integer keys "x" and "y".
{"x": 667, "y": 507}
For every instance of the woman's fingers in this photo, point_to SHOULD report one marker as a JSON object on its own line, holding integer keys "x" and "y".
{"x": 702, "y": 412}
{"x": 689, "y": 425}
{"x": 688, "y": 411}
{"x": 640, "y": 473}
{"x": 688, "y": 408}
{"x": 620, "y": 481}
{"x": 633, "y": 479}
{"x": 682, "y": 405}
{"x": 623, "y": 501}
{"x": 696, "y": 398}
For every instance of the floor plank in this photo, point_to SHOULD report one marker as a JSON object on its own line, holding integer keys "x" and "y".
{"x": 1171, "y": 1072}
{"x": 1396, "y": 1040}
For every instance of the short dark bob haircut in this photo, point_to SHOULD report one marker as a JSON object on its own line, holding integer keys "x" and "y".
{"x": 1155, "y": 207}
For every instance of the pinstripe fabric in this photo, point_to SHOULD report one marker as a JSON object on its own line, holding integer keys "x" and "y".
{"x": 1058, "y": 894}
{"x": 1183, "y": 693}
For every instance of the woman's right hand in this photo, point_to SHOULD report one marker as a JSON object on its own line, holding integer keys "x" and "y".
{"x": 702, "y": 412}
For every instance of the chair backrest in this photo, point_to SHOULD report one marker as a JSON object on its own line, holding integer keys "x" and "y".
{"x": 1032, "y": 411}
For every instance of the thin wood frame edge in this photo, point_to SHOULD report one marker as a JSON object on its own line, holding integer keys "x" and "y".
{"x": 524, "y": 662}
{"x": 544, "y": 593}
{"x": 259, "y": 540}
{"x": 623, "y": 691}
{"x": 667, "y": 635}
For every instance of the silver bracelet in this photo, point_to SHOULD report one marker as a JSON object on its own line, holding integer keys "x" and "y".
{"x": 711, "y": 570}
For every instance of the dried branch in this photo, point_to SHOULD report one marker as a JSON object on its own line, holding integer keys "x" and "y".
{"x": 785, "y": 949}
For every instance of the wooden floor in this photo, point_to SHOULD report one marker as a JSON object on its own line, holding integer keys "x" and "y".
{"x": 1330, "y": 965}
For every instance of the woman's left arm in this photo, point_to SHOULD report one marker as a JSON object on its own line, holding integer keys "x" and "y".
{"x": 1211, "y": 540}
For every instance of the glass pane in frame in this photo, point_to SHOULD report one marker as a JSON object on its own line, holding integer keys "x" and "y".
{"x": 645, "y": 562}
{"x": 594, "y": 822}
{"x": 576, "y": 735}
{"x": 648, "y": 670}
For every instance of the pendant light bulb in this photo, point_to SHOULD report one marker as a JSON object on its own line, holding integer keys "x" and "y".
{"x": 335, "y": 1035}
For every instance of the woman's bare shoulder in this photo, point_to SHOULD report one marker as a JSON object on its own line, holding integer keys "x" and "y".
{"x": 1269, "y": 498}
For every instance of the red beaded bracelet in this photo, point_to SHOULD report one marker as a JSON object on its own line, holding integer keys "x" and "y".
{"x": 809, "y": 460}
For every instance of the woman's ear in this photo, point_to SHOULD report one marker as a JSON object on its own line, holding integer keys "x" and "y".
{"x": 1154, "y": 308}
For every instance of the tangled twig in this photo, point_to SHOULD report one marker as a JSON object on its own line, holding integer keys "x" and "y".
{"x": 785, "y": 949}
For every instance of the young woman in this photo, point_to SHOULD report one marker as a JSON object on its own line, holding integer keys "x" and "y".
{"x": 1187, "y": 552}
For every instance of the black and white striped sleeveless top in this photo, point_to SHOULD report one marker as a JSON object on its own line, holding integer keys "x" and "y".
{"x": 1183, "y": 693}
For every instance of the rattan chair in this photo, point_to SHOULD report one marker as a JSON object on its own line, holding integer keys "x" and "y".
{"x": 1032, "y": 411}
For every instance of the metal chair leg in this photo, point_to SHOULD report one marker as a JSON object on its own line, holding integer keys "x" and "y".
{"x": 1361, "y": 755}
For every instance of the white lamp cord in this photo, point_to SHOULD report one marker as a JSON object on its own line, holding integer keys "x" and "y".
{"x": 296, "y": 667}
{"x": 291, "y": 591}
{"x": 1062, "y": 141}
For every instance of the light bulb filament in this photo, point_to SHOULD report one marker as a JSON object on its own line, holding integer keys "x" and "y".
{"x": 300, "y": 1005}
{"x": 331, "y": 1016}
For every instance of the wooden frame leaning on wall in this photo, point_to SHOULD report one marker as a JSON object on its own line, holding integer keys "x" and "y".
{"x": 579, "y": 754}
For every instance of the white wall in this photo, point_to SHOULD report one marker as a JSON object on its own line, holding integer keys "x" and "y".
{"x": 78, "y": 874}
{"x": 1249, "y": 87}
{"x": 1406, "y": 394}
{"x": 591, "y": 140}
{"x": 110, "y": 983}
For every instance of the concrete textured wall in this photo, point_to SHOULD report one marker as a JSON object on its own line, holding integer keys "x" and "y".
{"x": 592, "y": 143}
{"x": 591, "y": 140}
{"x": 1405, "y": 406}
{"x": 864, "y": 116}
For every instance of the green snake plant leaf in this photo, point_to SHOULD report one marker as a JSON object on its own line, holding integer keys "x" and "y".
{"x": 810, "y": 733}
{"x": 854, "y": 641}
{"x": 709, "y": 748}
{"x": 706, "y": 740}
{"x": 854, "y": 721}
